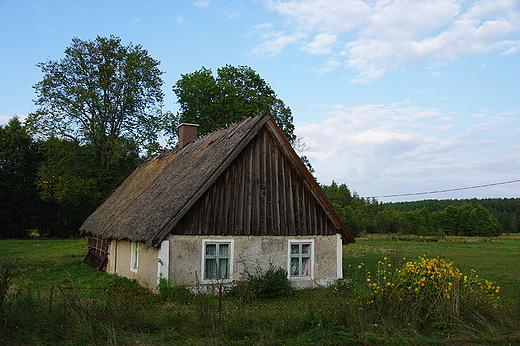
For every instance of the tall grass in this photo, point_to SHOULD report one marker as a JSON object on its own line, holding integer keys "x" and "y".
{"x": 421, "y": 300}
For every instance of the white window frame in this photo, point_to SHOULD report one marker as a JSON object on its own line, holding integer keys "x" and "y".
{"x": 134, "y": 256}
{"x": 231, "y": 243}
{"x": 312, "y": 257}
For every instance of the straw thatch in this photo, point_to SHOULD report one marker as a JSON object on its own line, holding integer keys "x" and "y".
{"x": 152, "y": 200}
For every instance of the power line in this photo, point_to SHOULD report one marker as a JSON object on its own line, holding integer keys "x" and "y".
{"x": 448, "y": 190}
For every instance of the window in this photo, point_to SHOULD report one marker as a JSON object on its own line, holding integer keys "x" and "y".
{"x": 217, "y": 262}
{"x": 300, "y": 258}
{"x": 134, "y": 256}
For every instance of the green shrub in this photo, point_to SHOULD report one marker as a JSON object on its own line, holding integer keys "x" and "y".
{"x": 273, "y": 283}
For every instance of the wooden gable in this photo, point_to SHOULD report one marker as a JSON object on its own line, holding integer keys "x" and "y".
{"x": 261, "y": 192}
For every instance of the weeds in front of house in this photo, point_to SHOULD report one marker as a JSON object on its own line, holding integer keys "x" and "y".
{"x": 170, "y": 293}
{"x": 354, "y": 311}
{"x": 425, "y": 301}
{"x": 262, "y": 284}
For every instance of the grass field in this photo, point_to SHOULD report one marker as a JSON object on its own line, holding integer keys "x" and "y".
{"x": 55, "y": 299}
{"x": 494, "y": 259}
{"x": 38, "y": 264}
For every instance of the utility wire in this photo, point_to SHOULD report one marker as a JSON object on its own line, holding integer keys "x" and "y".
{"x": 448, "y": 190}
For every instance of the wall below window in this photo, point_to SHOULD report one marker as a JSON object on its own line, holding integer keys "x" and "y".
{"x": 249, "y": 254}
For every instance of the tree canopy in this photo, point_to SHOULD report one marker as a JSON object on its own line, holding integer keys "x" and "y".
{"x": 18, "y": 166}
{"x": 101, "y": 93}
{"x": 233, "y": 94}
{"x": 100, "y": 108}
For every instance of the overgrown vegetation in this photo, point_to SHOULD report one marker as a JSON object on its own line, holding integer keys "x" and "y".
{"x": 271, "y": 283}
{"x": 426, "y": 292}
{"x": 384, "y": 299}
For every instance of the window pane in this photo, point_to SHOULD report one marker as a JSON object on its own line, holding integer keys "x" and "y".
{"x": 223, "y": 249}
{"x": 306, "y": 248}
{"x": 306, "y": 266}
{"x": 223, "y": 268}
{"x": 217, "y": 260}
{"x": 135, "y": 255}
{"x": 211, "y": 249}
{"x": 295, "y": 266}
{"x": 211, "y": 268}
{"x": 295, "y": 248}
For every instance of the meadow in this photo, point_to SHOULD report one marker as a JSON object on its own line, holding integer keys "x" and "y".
{"x": 49, "y": 297}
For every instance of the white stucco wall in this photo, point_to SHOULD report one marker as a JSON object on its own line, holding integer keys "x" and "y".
{"x": 251, "y": 253}
{"x": 119, "y": 263}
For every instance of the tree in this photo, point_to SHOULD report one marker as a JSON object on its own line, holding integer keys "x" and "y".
{"x": 18, "y": 167}
{"x": 339, "y": 194}
{"x": 234, "y": 94}
{"x": 101, "y": 93}
{"x": 356, "y": 213}
{"x": 99, "y": 108}
{"x": 482, "y": 223}
{"x": 387, "y": 221}
{"x": 449, "y": 220}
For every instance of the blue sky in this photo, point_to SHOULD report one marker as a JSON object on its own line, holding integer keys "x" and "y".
{"x": 389, "y": 96}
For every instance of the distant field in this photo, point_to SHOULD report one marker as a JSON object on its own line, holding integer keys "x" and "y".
{"x": 494, "y": 259}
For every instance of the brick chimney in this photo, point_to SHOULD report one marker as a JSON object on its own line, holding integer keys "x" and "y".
{"x": 187, "y": 133}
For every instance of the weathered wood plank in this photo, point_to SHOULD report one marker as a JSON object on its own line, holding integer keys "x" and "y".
{"x": 259, "y": 194}
{"x": 276, "y": 192}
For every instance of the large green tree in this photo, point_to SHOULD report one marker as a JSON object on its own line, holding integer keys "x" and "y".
{"x": 99, "y": 108}
{"x": 18, "y": 167}
{"x": 233, "y": 94}
{"x": 102, "y": 93}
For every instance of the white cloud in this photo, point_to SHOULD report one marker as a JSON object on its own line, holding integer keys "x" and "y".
{"x": 263, "y": 26}
{"x": 511, "y": 50}
{"x": 322, "y": 44}
{"x": 330, "y": 65}
{"x": 408, "y": 20}
{"x": 4, "y": 119}
{"x": 201, "y": 3}
{"x": 276, "y": 42}
{"x": 373, "y": 143}
{"x": 179, "y": 19}
{"x": 327, "y": 16}
{"x": 380, "y": 36}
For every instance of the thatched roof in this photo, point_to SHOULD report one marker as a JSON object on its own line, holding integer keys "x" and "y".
{"x": 158, "y": 193}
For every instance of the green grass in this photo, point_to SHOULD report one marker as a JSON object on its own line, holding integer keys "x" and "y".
{"x": 79, "y": 312}
{"x": 38, "y": 264}
{"x": 494, "y": 259}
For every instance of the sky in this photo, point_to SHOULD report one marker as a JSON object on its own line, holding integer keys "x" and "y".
{"x": 390, "y": 97}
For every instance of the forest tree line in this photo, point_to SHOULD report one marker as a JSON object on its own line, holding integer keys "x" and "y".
{"x": 465, "y": 217}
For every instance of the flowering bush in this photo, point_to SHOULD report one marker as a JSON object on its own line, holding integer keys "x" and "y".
{"x": 425, "y": 290}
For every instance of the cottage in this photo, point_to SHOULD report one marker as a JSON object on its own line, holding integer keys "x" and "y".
{"x": 232, "y": 201}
